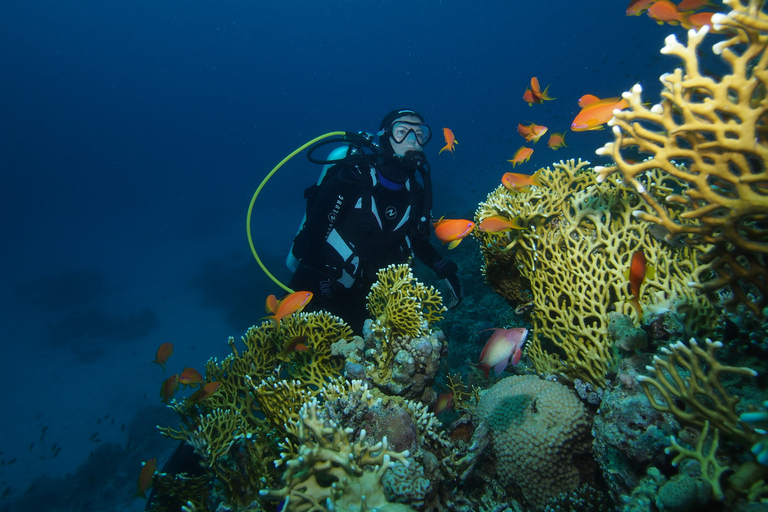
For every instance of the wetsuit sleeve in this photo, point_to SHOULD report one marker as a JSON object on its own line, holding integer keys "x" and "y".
{"x": 334, "y": 200}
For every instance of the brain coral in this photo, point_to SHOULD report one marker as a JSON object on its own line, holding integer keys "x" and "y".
{"x": 537, "y": 428}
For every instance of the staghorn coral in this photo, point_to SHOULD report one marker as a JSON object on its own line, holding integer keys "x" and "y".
{"x": 709, "y": 134}
{"x": 577, "y": 245}
{"x": 688, "y": 380}
{"x": 538, "y": 428}
{"x": 333, "y": 472}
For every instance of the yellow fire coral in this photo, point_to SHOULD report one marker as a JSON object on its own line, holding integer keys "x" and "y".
{"x": 710, "y": 134}
{"x": 402, "y": 305}
{"x": 331, "y": 472}
{"x": 577, "y": 246}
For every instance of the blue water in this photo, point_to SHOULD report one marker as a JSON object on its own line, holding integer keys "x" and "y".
{"x": 133, "y": 134}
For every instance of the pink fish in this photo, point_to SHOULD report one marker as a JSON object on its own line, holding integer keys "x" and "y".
{"x": 503, "y": 344}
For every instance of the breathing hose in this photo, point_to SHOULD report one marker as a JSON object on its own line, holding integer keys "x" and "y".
{"x": 258, "y": 190}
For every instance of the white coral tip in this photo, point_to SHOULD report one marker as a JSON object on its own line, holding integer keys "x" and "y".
{"x": 637, "y": 213}
{"x": 636, "y": 89}
{"x": 640, "y": 188}
{"x": 717, "y": 48}
{"x": 657, "y": 109}
{"x": 616, "y": 130}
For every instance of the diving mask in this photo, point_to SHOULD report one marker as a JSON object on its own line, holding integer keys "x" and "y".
{"x": 402, "y": 129}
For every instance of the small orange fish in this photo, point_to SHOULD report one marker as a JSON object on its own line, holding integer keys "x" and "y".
{"x": 204, "y": 392}
{"x": 596, "y": 112}
{"x": 498, "y": 224}
{"x": 664, "y": 11}
{"x": 288, "y": 305}
{"x": 637, "y": 271}
{"x": 517, "y": 181}
{"x": 692, "y": 5}
{"x": 295, "y": 344}
{"x": 169, "y": 388}
{"x": 502, "y": 345}
{"x": 163, "y": 353}
{"x": 698, "y": 20}
{"x": 522, "y": 155}
{"x": 638, "y": 7}
{"x": 556, "y": 140}
{"x": 450, "y": 141}
{"x": 443, "y": 403}
{"x": 452, "y": 230}
{"x": 534, "y": 94}
{"x": 532, "y": 132}
{"x": 145, "y": 477}
{"x": 190, "y": 377}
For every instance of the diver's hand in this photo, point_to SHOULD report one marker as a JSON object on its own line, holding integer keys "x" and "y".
{"x": 454, "y": 291}
{"x": 447, "y": 270}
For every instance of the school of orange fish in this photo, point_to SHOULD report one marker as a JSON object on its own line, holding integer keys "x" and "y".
{"x": 505, "y": 345}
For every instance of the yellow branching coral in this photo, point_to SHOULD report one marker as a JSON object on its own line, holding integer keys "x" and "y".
{"x": 688, "y": 380}
{"x": 711, "y": 469}
{"x": 709, "y": 134}
{"x": 402, "y": 305}
{"x": 331, "y": 472}
{"x": 575, "y": 250}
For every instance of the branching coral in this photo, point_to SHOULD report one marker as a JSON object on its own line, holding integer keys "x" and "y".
{"x": 577, "y": 245}
{"x": 331, "y": 472}
{"x": 709, "y": 134}
{"x": 711, "y": 469}
{"x": 688, "y": 379}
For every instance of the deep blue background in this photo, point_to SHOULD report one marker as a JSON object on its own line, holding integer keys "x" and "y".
{"x": 133, "y": 133}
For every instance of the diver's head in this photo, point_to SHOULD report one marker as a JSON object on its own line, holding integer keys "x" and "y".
{"x": 402, "y": 131}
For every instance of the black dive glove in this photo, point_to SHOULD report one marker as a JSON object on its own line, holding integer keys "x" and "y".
{"x": 447, "y": 270}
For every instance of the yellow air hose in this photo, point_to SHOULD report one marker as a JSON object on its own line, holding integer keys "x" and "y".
{"x": 256, "y": 194}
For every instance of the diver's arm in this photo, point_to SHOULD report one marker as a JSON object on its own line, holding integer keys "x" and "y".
{"x": 444, "y": 268}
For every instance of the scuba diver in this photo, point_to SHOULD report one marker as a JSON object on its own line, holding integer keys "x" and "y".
{"x": 368, "y": 212}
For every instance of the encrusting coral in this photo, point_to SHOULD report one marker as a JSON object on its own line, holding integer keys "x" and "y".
{"x": 578, "y": 239}
{"x": 709, "y": 134}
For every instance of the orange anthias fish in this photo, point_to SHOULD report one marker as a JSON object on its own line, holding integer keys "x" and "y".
{"x": 532, "y": 132}
{"x": 534, "y": 94}
{"x": 556, "y": 140}
{"x": 295, "y": 344}
{"x": 664, "y": 11}
{"x": 450, "y": 141}
{"x": 503, "y": 344}
{"x": 288, "y": 305}
{"x": 190, "y": 377}
{"x": 596, "y": 112}
{"x": 204, "y": 392}
{"x": 693, "y": 5}
{"x": 145, "y": 477}
{"x": 163, "y": 353}
{"x": 638, "y": 7}
{"x": 517, "y": 181}
{"x": 169, "y": 388}
{"x": 522, "y": 155}
{"x": 452, "y": 231}
{"x": 498, "y": 224}
{"x": 443, "y": 403}
{"x": 637, "y": 271}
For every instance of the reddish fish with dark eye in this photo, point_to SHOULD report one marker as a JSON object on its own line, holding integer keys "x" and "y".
{"x": 190, "y": 377}
{"x": 204, "y": 392}
{"x": 145, "y": 477}
{"x": 519, "y": 182}
{"x": 163, "y": 353}
{"x": 637, "y": 270}
{"x": 444, "y": 403}
{"x": 288, "y": 305}
{"x": 169, "y": 388}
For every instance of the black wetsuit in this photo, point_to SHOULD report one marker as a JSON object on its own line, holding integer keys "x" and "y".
{"x": 362, "y": 220}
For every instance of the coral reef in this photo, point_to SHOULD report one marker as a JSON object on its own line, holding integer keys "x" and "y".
{"x": 538, "y": 429}
{"x": 708, "y": 134}
{"x": 578, "y": 242}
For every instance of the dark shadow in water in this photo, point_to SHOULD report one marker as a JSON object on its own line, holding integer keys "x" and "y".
{"x": 55, "y": 292}
{"x": 233, "y": 287}
{"x": 85, "y": 331}
{"x": 107, "y": 478}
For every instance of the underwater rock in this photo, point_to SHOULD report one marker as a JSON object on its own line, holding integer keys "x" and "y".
{"x": 664, "y": 326}
{"x": 628, "y": 337}
{"x": 394, "y": 422}
{"x": 683, "y": 493}
{"x": 629, "y": 437}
